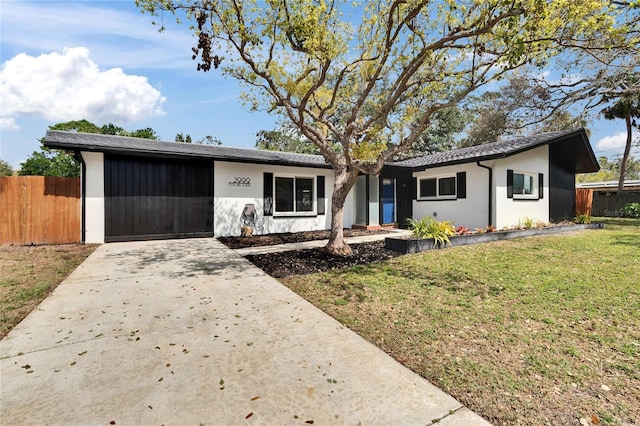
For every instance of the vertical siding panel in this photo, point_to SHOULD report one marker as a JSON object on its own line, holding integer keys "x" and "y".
{"x": 134, "y": 195}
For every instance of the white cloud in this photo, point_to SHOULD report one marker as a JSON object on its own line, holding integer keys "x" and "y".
{"x": 9, "y": 123}
{"x": 614, "y": 142}
{"x": 70, "y": 86}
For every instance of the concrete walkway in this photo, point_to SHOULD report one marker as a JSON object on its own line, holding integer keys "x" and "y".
{"x": 188, "y": 332}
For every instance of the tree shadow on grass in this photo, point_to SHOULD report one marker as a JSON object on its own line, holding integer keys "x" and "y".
{"x": 627, "y": 240}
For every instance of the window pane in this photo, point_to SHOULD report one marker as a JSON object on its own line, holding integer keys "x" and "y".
{"x": 528, "y": 184}
{"x": 427, "y": 188}
{"x": 523, "y": 184}
{"x": 284, "y": 194}
{"x": 518, "y": 183}
{"x": 304, "y": 195}
{"x": 447, "y": 186}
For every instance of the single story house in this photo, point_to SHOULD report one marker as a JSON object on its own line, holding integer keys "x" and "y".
{"x": 137, "y": 189}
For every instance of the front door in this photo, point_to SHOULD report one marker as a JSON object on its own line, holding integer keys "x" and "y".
{"x": 388, "y": 201}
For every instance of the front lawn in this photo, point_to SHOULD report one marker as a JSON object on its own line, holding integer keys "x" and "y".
{"x": 30, "y": 274}
{"x": 541, "y": 330}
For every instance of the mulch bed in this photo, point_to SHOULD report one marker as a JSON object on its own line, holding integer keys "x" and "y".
{"x": 290, "y": 237}
{"x": 302, "y": 262}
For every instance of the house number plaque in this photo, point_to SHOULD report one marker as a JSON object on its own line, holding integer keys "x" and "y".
{"x": 240, "y": 181}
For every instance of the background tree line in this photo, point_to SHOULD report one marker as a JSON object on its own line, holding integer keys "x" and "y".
{"x": 53, "y": 162}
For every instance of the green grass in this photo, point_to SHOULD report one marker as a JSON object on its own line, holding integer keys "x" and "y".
{"x": 516, "y": 330}
{"x": 30, "y": 274}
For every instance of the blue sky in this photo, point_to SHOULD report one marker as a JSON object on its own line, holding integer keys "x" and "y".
{"x": 103, "y": 61}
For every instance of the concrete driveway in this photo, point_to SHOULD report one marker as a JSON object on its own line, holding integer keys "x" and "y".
{"x": 189, "y": 332}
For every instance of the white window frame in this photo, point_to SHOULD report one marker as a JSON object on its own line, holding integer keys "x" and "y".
{"x": 534, "y": 186}
{"x": 313, "y": 212}
{"x": 438, "y": 196}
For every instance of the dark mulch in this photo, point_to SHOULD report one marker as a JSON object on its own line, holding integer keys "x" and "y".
{"x": 302, "y": 262}
{"x": 289, "y": 237}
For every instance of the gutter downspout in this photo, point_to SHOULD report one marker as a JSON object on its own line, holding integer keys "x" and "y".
{"x": 490, "y": 188}
{"x": 83, "y": 196}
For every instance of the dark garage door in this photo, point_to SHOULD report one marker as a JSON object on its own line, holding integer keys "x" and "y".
{"x": 147, "y": 198}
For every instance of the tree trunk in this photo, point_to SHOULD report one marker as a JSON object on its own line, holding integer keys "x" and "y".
{"x": 625, "y": 156}
{"x": 344, "y": 181}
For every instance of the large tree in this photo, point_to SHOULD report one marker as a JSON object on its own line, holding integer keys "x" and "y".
{"x": 517, "y": 107}
{"x": 626, "y": 107}
{"x": 363, "y": 80}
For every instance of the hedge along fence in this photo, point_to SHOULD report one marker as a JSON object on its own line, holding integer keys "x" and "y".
{"x": 609, "y": 203}
{"x": 39, "y": 210}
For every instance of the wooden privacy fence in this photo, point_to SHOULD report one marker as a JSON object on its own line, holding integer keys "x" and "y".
{"x": 609, "y": 203}
{"x": 584, "y": 198}
{"x": 39, "y": 210}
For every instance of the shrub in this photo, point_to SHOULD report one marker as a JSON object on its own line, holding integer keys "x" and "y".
{"x": 526, "y": 222}
{"x": 582, "y": 219}
{"x": 428, "y": 227}
{"x": 463, "y": 230}
{"x": 448, "y": 227}
{"x": 631, "y": 210}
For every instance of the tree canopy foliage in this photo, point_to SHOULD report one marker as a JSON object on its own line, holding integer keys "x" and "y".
{"x": 285, "y": 140}
{"x": 207, "y": 140}
{"x": 54, "y": 162}
{"x": 516, "y": 108}
{"x": 363, "y": 80}
{"x": 5, "y": 168}
{"x": 610, "y": 170}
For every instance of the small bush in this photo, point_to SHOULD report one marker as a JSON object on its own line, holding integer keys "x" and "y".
{"x": 631, "y": 210}
{"x": 526, "y": 222}
{"x": 582, "y": 219}
{"x": 428, "y": 227}
{"x": 463, "y": 230}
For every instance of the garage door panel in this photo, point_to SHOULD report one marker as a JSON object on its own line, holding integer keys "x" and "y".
{"x": 157, "y": 198}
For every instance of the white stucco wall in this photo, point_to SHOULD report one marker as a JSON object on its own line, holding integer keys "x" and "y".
{"x": 511, "y": 211}
{"x": 94, "y": 197}
{"x": 229, "y": 199}
{"x": 472, "y": 211}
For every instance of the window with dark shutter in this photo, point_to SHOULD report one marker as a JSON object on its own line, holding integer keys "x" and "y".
{"x": 540, "y": 186}
{"x": 320, "y": 194}
{"x": 523, "y": 186}
{"x": 267, "y": 194}
{"x": 461, "y": 181}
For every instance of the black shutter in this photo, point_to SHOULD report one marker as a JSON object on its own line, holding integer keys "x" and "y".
{"x": 320, "y": 194}
{"x": 267, "y": 194}
{"x": 461, "y": 183}
{"x": 509, "y": 183}
{"x": 540, "y": 186}
{"x": 414, "y": 188}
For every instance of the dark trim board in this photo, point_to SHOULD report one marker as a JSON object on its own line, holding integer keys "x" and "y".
{"x": 157, "y": 237}
{"x": 154, "y": 198}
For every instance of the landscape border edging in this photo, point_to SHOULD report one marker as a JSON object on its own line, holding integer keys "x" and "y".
{"x": 416, "y": 245}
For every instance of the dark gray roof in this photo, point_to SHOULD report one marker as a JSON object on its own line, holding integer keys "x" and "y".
{"x": 575, "y": 149}
{"x": 501, "y": 149}
{"x": 126, "y": 145}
